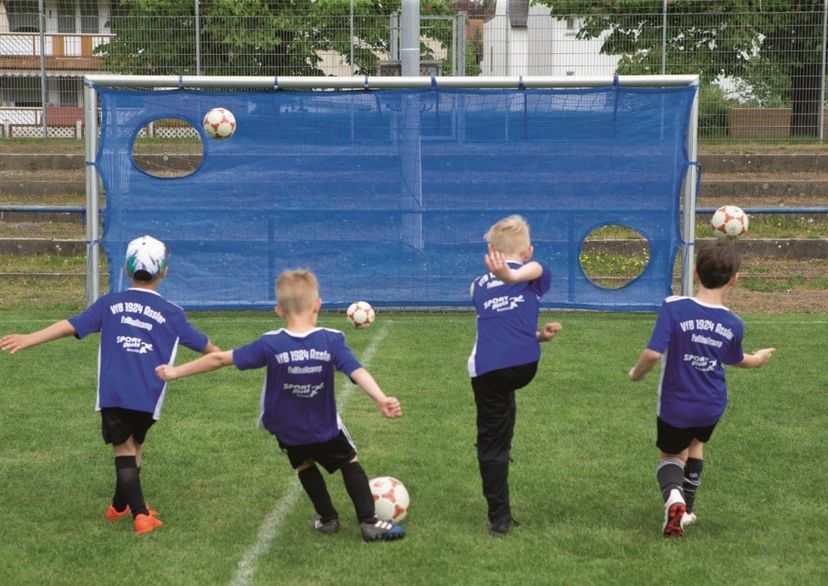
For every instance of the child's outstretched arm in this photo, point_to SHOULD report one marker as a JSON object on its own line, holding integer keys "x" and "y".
{"x": 16, "y": 342}
{"x": 757, "y": 359}
{"x": 206, "y": 363}
{"x": 496, "y": 263}
{"x": 646, "y": 362}
{"x": 389, "y": 406}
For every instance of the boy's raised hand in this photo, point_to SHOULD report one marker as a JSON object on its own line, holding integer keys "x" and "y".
{"x": 390, "y": 407}
{"x": 496, "y": 263}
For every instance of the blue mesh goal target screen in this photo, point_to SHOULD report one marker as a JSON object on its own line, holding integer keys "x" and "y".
{"x": 386, "y": 194}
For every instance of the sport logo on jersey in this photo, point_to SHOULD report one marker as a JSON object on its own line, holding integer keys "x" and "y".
{"x": 701, "y": 363}
{"x": 133, "y": 344}
{"x": 503, "y": 303}
{"x": 303, "y": 391}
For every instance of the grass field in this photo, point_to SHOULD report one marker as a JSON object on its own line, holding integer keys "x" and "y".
{"x": 582, "y": 481}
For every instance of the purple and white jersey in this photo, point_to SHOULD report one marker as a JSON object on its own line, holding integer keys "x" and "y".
{"x": 696, "y": 340}
{"x": 507, "y": 321}
{"x": 298, "y": 404}
{"x": 139, "y": 331}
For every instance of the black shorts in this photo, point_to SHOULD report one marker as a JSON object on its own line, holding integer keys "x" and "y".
{"x": 331, "y": 455}
{"x": 673, "y": 440}
{"x": 117, "y": 425}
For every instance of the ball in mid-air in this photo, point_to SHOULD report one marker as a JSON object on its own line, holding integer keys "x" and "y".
{"x": 219, "y": 123}
{"x": 729, "y": 222}
{"x": 390, "y": 498}
{"x": 360, "y": 314}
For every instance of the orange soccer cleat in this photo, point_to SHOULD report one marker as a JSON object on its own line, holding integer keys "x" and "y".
{"x": 146, "y": 523}
{"x": 112, "y": 514}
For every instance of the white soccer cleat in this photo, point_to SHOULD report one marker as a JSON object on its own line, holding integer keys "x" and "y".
{"x": 688, "y": 519}
{"x": 674, "y": 511}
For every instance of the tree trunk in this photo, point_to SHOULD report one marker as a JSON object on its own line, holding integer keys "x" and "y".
{"x": 805, "y": 98}
{"x": 805, "y": 68}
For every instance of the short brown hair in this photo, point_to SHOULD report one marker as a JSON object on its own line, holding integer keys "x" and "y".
{"x": 510, "y": 235}
{"x": 717, "y": 261}
{"x": 296, "y": 290}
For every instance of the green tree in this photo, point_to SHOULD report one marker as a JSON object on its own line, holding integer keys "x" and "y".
{"x": 775, "y": 46}
{"x": 248, "y": 37}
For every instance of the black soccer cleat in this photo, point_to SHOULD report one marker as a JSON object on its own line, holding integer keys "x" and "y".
{"x": 381, "y": 531}
{"x": 326, "y": 527}
{"x": 502, "y": 528}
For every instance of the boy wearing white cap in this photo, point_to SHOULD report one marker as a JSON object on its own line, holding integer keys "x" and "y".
{"x": 139, "y": 331}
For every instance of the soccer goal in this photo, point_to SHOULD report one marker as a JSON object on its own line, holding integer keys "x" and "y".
{"x": 385, "y": 186}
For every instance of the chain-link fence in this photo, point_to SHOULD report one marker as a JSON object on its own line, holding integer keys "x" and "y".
{"x": 762, "y": 62}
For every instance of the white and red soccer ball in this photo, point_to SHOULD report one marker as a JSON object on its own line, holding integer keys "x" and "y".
{"x": 219, "y": 123}
{"x": 360, "y": 314}
{"x": 729, "y": 222}
{"x": 390, "y": 498}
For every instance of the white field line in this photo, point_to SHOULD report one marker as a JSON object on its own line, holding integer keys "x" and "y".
{"x": 273, "y": 522}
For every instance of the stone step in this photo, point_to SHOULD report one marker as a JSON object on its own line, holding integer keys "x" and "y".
{"x": 777, "y": 188}
{"x": 720, "y": 188}
{"x": 750, "y": 247}
{"x": 765, "y": 162}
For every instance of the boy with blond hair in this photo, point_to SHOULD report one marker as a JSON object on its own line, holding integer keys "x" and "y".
{"x": 693, "y": 338}
{"x": 139, "y": 330}
{"x": 505, "y": 354}
{"x": 298, "y": 404}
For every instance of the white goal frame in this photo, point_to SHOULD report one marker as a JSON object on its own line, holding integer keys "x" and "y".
{"x": 92, "y": 82}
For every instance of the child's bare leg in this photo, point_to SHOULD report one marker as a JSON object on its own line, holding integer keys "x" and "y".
{"x": 314, "y": 484}
{"x": 692, "y": 472}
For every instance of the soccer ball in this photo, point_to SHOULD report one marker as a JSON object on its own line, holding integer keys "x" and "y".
{"x": 361, "y": 314}
{"x": 219, "y": 123}
{"x": 729, "y": 222}
{"x": 390, "y": 499}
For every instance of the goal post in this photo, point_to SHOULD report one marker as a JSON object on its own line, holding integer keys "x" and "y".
{"x": 469, "y": 150}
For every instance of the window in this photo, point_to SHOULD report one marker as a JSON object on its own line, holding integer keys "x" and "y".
{"x": 68, "y": 92}
{"x": 89, "y": 16}
{"x": 572, "y": 24}
{"x": 22, "y": 96}
{"x": 23, "y": 16}
{"x": 66, "y": 18}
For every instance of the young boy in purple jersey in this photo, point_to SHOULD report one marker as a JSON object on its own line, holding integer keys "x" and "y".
{"x": 139, "y": 330}
{"x": 693, "y": 338}
{"x": 298, "y": 404}
{"x": 505, "y": 354}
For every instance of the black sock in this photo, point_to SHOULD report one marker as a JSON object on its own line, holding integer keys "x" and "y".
{"x": 670, "y": 474}
{"x": 315, "y": 487}
{"x": 692, "y": 480}
{"x": 356, "y": 483}
{"x": 129, "y": 484}
{"x": 119, "y": 501}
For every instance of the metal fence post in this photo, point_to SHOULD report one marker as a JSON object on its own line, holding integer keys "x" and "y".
{"x": 664, "y": 37}
{"x": 822, "y": 71}
{"x": 461, "y": 44}
{"x": 351, "y": 38}
{"x": 410, "y": 36}
{"x": 43, "y": 89}
{"x": 198, "y": 36}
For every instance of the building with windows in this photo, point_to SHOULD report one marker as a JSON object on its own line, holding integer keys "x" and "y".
{"x": 72, "y": 31}
{"x": 525, "y": 39}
